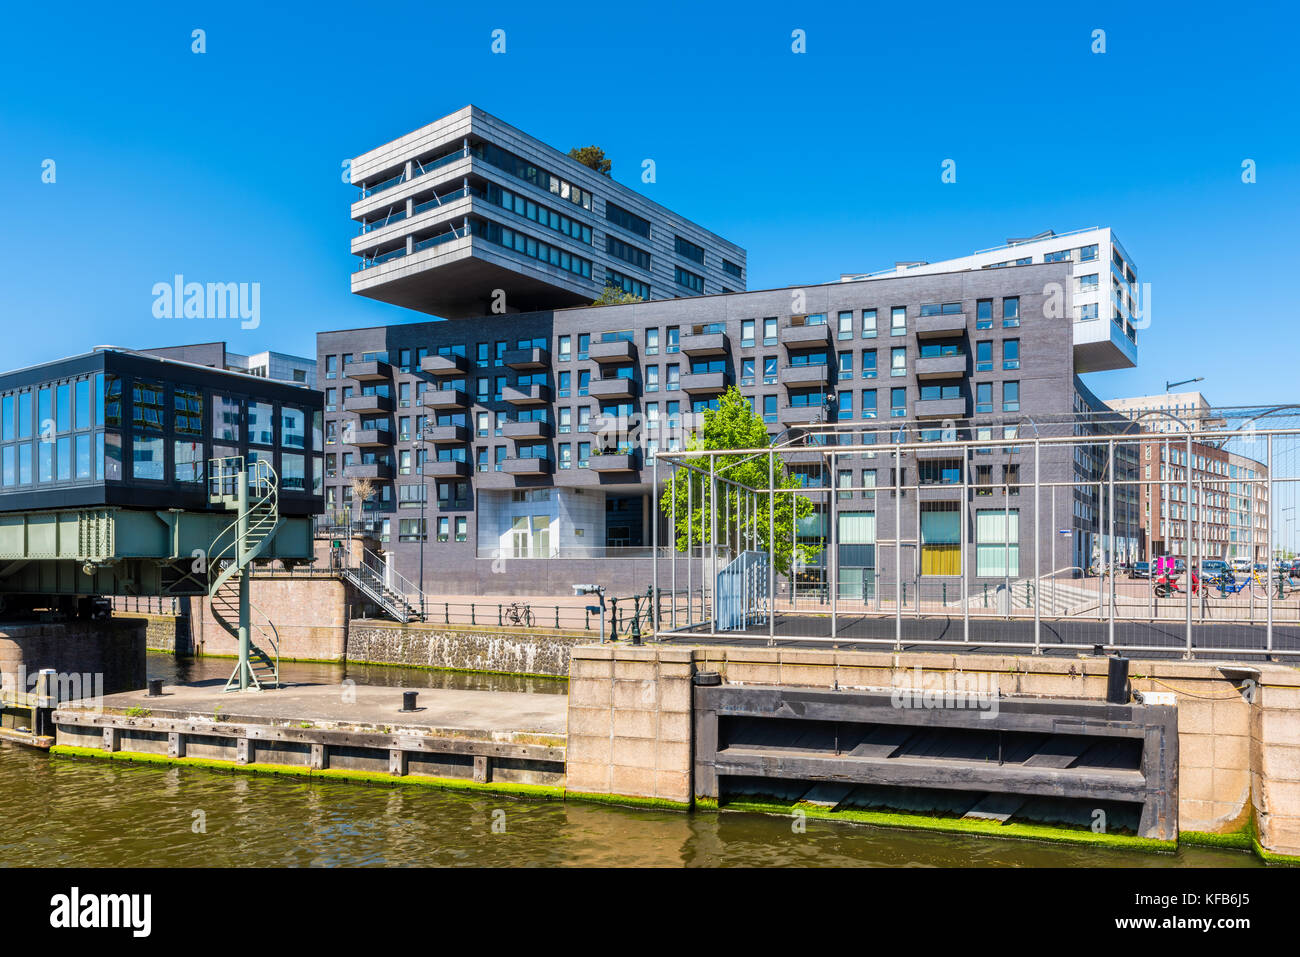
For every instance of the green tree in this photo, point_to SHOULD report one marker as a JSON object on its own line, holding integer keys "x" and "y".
{"x": 742, "y": 517}
{"x": 615, "y": 296}
{"x": 593, "y": 157}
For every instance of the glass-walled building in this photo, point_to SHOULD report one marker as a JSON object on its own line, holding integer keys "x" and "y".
{"x": 114, "y": 427}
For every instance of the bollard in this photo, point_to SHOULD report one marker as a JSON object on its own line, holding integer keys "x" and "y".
{"x": 155, "y": 688}
{"x": 1117, "y": 691}
{"x": 408, "y": 700}
{"x": 499, "y": 622}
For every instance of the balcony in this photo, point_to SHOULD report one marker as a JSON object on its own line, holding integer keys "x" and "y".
{"x": 445, "y": 399}
{"x": 369, "y": 370}
{"x": 940, "y": 367}
{"x": 447, "y": 434}
{"x": 798, "y": 337}
{"x": 525, "y": 359}
{"x": 368, "y": 403}
{"x": 526, "y": 430}
{"x": 535, "y": 394}
{"x": 940, "y": 408}
{"x": 696, "y": 383}
{"x": 447, "y": 468}
{"x": 801, "y": 414}
{"x": 529, "y": 466}
{"x": 705, "y": 344}
{"x": 613, "y": 462}
{"x": 935, "y": 327}
{"x": 802, "y": 376}
{"x": 938, "y": 492}
{"x": 940, "y": 452}
{"x": 617, "y": 388}
{"x": 620, "y": 350}
{"x": 445, "y": 365}
{"x": 368, "y": 470}
{"x": 365, "y": 438}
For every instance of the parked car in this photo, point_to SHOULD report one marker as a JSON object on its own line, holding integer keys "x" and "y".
{"x": 1240, "y": 565}
{"x": 1214, "y": 569}
{"x": 1140, "y": 570}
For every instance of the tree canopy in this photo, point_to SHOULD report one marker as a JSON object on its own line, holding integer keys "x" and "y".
{"x": 593, "y": 157}
{"x": 615, "y": 296}
{"x": 742, "y": 517}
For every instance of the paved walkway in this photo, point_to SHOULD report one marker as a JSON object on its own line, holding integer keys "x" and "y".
{"x": 446, "y": 710}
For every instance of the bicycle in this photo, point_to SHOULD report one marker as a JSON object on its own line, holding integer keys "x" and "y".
{"x": 1226, "y": 584}
{"x": 519, "y": 613}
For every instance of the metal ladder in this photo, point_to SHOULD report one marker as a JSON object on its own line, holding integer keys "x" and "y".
{"x": 252, "y": 491}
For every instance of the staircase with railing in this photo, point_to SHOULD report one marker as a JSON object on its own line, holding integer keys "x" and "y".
{"x": 252, "y": 491}
{"x": 386, "y": 588}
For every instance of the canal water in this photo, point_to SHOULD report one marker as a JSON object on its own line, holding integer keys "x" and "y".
{"x": 63, "y": 812}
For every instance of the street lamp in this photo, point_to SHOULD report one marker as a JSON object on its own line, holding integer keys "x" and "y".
{"x": 1170, "y": 385}
{"x": 419, "y": 446}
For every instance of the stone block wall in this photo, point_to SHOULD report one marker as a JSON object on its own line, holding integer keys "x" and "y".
{"x": 461, "y": 647}
{"x": 310, "y": 615}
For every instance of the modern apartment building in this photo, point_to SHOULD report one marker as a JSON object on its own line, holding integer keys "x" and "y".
{"x": 524, "y": 439}
{"x": 1169, "y": 412}
{"x": 469, "y": 216}
{"x": 1101, "y": 294}
{"x": 277, "y": 366}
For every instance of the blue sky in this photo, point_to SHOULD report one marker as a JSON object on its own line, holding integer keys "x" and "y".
{"x": 225, "y": 166}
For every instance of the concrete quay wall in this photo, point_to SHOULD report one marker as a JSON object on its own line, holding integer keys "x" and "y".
{"x": 630, "y": 719}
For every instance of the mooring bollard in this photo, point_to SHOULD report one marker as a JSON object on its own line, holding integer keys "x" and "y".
{"x": 1117, "y": 691}
{"x": 155, "y": 688}
{"x": 408, "y": 700}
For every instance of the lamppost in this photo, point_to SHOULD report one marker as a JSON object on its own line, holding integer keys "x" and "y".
{"x": 419, "y": 446}
{"x": 1170, "y": 385}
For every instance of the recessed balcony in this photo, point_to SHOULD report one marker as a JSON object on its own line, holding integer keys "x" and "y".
{"x": 447, "y": 468}
{"x": 368, "y": 403}
{"x": 933, "y": 327}
{"x": 940, "y": 408}
{"x": 534, "y": 358}
{"x": 704, "y": 344}
{"x": 940, "y": 367}
{"x": 527, "y": 466}
{"x": 801, "y": 376}
{"x": 616, "y": 388}
{"x": 534, "y": 394}
{"x": 447, "y": 434}
{"x": 368, "y": 370}
{"x": 368, "y": 470}
{"x": 696, "y": 383}
{"x": 445, "y": 365}
{"x": 804, "y": 336}
{"x": 445, "y": 399}
{"x": 526, "y": 430}
{"x": 613, "y": 462}
{"x": 620, "y": 350}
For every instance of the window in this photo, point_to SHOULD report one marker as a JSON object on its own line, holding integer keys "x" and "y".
{"x": 584, "y": 418}
{"x": 747, "y": 371}
{"x": 1011, "y": 397}
{"x": 983, "y": 397}
{"x": 652, "y": 342}
{"x": 940, "y": 538}
{"x": 769, "y": 370}
{"x": 984, "y": 356}
{"x": 868, "y": 323}
{"x": 1087, "y": 253}
{"x": 845, "y": 366}
{"x": 845, "y": 325}
{"x": 584, "y": 454}
{"x": 673, "y": 344}
{"x": 462, "y": 528}
{"x": 747, "y": 332}
{"x": 769, "y": 408}
{"x": 444, "y": 528}
{"x": 845, "y": 406}
{"x": 898, "y": 321}
{"x": 566, "y": 348}
{"x": 898, "y": 403}
{"x": 689, "y": 279}
{"x": 769, "y": 331}
{"x": 984, "y": 314}
{"x": 983, "y": 480}
{"x": 628, "y": 220}
{"x": 498, "y": 386}
{"x": 566, "y": 421}
{"x": 584, "y": 343}
{"x": 731, "y": 268}
{"x": 1011, "y": 311}
{"x": 331, "y": 367}
{"x": 566, "y": 455}
{"x": 898, "y": 361}
{"x": 652, "y": 378}
{"x": 684, "y": 247}
{"x": 997, "y": 543}
{"x": 868, "y": 363}
{"x": 869, "y": 403}
{"x": 562, "y": 384}
{"x": 673, "y": 378}
{"x": 482, "y": 354}
{"x": 1010, "y": 353}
